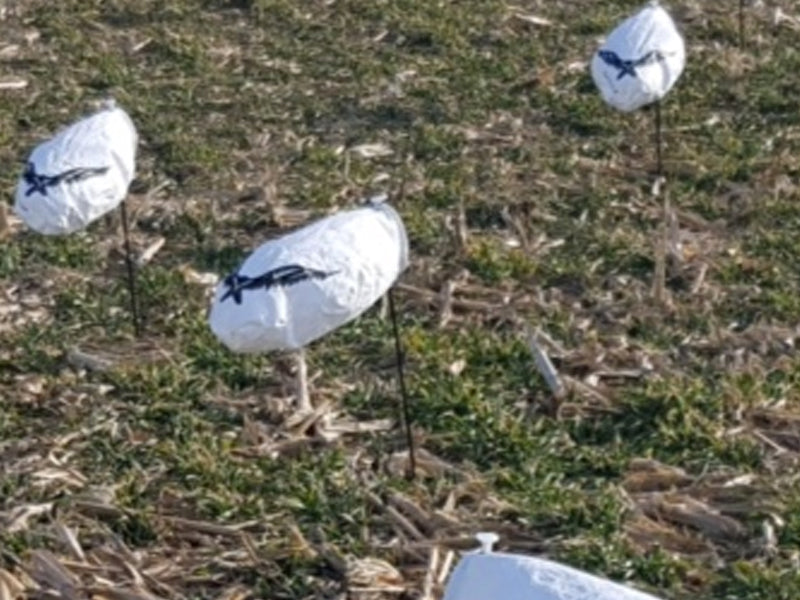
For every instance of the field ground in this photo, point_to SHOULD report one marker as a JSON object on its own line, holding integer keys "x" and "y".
{"x": 168, "y": 467}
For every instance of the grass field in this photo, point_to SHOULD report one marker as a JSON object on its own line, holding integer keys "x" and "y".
{"x": 169, "y": 467}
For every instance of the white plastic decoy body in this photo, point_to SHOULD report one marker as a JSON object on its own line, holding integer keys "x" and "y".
{"x": 294, "y": 289}
{"x": 78, "y": 175}
{"x": 641, "y": 59}
{"x": 487, "y": 575}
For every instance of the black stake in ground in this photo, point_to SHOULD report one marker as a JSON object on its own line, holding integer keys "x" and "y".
{"x": 741, "y": 23}
{"x": 401, "y": 381}
{"x": 131, "y": 272}
{"x": 659, "y": 162}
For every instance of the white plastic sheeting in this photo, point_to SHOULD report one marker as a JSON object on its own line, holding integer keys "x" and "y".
{"x": 295, "y": 289}
{"x": 640, "y": 61}
{"x": 499, "y": 576}
{"x": 78, "y": 175}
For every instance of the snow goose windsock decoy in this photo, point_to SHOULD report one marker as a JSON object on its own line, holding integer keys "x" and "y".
{"x": 487, "y": 575}
{"x": 639, "y": 62}
{"x": 80, "y": 174}
{"x": 297, "y": 288}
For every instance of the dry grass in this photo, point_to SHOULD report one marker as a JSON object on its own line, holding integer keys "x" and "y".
{"x": 169, "y": 468}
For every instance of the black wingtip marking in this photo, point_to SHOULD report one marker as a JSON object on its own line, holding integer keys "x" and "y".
{"x": 39, "y": 182}
{"x": 281, "y": 276}
{"x": 628, "y": 67}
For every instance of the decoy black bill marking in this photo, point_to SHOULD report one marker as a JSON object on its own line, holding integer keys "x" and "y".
{"x": 628, "y": 67}
{"x": 283, "y": 276}
{"x": 39, "y": 183}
